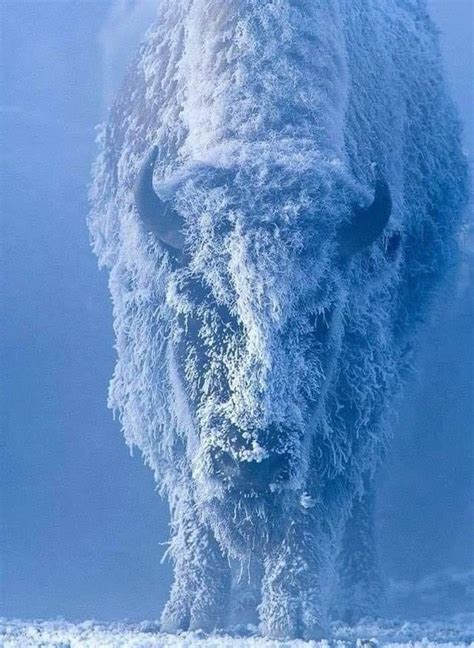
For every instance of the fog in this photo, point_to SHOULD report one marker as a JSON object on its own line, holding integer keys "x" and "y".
{"x": 81, "y": 521}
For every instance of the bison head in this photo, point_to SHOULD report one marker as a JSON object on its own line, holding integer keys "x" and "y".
{"x": 257, "y": 291}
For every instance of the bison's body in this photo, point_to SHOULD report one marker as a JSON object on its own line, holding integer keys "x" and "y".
{"x": 261, "y": 343}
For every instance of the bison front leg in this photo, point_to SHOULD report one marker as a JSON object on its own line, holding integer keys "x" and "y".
{"x": 246, "y": 592}
{"x": 200, "y": 593}
{"x": 294, "y": 601}
{"x": 209, "y": 608}
{"x": 176, "y": 614}
{"x": 360, "y": 584}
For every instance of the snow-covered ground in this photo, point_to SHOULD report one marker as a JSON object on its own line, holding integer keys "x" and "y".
{"x": 450, "y": 632}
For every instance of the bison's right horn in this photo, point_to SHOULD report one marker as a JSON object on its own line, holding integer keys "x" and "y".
{"x": 158, "y": 216}
{"x": 367, "y": 223}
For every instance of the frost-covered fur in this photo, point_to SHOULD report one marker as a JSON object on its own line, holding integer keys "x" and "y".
{"x": 256, "y": 373}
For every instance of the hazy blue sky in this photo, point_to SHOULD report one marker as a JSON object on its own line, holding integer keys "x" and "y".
{"x": 81, "y": 519}
{"x": 81, "y": 523}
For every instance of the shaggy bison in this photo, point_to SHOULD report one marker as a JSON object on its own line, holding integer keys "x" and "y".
{"x": 277, "y": 196}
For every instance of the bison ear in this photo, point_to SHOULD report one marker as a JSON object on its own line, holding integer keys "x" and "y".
{"x": 157, "y": 216}
{"x": 367, "y": 223}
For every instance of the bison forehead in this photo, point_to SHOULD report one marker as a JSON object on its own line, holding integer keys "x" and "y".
{"x": 265, "y": 235}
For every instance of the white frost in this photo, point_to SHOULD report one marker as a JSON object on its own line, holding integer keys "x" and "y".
{"x": 455, "y": 631}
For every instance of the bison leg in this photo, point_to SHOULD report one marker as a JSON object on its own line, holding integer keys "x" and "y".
{"x": 245, "y": 593}
{"x": 176, "y": 613}
{"x": 293, "y": 601}
{"x": 360, "y": 587}
{"x": 200, "y": 592}
{"x": 209, "y": 609}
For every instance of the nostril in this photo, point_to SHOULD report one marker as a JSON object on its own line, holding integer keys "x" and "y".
{"x": 256, "y": 474}
{"x": 225, "y": 464}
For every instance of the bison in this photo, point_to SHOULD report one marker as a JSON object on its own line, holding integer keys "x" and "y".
{"x": 278, "y": 196}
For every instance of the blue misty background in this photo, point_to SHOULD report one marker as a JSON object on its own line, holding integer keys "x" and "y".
{"x": 81, "y": 523}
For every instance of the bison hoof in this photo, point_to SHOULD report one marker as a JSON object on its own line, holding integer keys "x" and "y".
{"x": 315, "y": 633}
{"x": 283, "y": 629}
{"x": 174, "y": 620}
{"x": 204, "y": 625}
{"x": 208, "y": 620}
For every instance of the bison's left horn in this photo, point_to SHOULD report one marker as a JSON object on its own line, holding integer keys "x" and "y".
{"x": 157, "y": 216}
{"x": 368, "y": 224}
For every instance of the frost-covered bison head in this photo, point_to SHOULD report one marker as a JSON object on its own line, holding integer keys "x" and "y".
{"x": 260, "y": 256}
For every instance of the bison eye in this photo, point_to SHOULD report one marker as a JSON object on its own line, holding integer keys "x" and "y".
{"x": 392, "y": 244}
{"x": 322, "y": 321}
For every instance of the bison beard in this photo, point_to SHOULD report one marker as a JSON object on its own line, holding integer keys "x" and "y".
{"x": 277, "y": 198}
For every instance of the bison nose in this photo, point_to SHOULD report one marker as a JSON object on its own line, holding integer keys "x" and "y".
{"x": 262, "y": 474}
{"x": 255, "y": 475}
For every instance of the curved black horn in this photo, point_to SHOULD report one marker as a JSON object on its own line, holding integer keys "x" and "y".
{"x": 368, "y": 224}
{"x": 157, "y": 216}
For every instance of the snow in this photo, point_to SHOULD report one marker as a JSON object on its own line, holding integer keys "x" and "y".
{"x": 453, "y": 631}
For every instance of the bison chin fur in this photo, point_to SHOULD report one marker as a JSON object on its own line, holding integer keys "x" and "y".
{"x": 245, "y": 524}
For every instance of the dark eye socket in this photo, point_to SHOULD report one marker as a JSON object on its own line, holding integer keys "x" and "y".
{"x": 392, "y": 244}
{"x": 322, "y": 322}
{"x": 323, "y": 319}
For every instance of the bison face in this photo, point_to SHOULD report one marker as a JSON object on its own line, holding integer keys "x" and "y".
{"x": 250, "y": 391}
{"x": 257, "y": 292}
